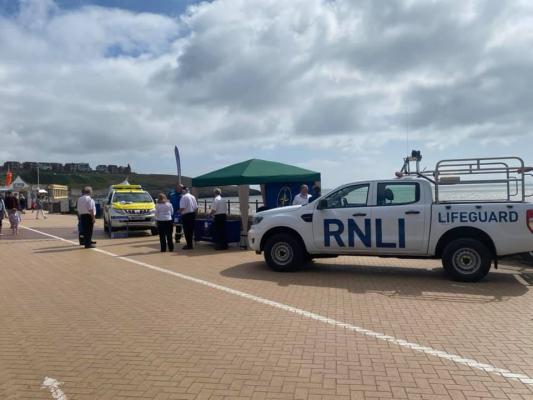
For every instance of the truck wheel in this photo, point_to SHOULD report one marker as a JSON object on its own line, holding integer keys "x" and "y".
{"x": 105, "y": 226}
{"x": 467, "y": 260}
{"x": 528, "y": 257}
{"x": 284, "y": 252}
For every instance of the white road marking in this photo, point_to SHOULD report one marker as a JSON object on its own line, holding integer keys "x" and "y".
{"x": 525, "y": 379}
{"x": 53, "y": 386}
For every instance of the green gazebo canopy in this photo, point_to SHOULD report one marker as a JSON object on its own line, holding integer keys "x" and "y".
{"x": 255, "y": 172}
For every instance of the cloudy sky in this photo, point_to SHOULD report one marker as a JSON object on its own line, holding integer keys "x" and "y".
{"x": 344, "y": 87}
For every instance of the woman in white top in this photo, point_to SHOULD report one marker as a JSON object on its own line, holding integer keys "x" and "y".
{"x": 163, "y": 216}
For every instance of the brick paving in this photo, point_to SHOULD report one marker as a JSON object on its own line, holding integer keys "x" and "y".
{"x": 109, "y": 329}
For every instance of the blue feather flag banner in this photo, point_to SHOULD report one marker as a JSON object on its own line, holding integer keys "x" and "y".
{"x": 178, "y": 163}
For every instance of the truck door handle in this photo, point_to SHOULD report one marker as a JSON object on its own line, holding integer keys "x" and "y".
{"x": 412, "y": 212}
{"x": 359, "y": 215}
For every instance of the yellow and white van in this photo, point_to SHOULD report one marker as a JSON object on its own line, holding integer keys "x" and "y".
{"x": 129, "y": 207}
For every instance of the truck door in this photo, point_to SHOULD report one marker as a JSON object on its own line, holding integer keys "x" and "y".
{"x": 400, "y": 218}
{"x": 341, "y": 221}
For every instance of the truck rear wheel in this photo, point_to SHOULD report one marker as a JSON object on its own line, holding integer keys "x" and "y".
{"x": 467, "y": 260}
{"x": 284, "y": 252}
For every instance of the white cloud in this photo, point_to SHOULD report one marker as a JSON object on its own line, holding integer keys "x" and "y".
{"x": 236, "y": 78}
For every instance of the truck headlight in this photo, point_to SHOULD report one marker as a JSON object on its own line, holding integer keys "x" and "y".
{"x": 257, "y": 220}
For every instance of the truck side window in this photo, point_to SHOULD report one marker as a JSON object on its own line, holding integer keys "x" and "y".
{"x": 351, "y": 196}
{"x": 398, "y": 193}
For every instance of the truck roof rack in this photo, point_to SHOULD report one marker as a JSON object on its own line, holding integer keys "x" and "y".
{"x": 508, "y": 173}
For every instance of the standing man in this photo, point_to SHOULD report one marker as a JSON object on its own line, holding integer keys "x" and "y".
{"x": 87, "y": 215}
{"x": 10, "y": 201}
{"x": 302, "y": 198}
{"x": 188, "y": 208}
{"x": 175, "y": 197}
{"x": 316, "y": 193}
{"x": 23, "y": 204}
{"x": 3, "y": 212}
{"x": 218, "y": 211}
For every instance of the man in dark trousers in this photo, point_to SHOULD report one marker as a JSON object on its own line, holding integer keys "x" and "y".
{"x": 87, "y": 215}
{"x": 175, "y": 198}
{"x": 188, "y": 209}
{"x": 10, "y": 201}
{"x": 218, "y": 211}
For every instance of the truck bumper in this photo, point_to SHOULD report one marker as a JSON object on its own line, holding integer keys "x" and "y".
{"x": 253, "y": 241}
{"x": 123, "y": 223}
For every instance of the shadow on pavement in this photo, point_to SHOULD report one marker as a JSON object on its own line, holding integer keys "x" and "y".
{"x": 424, "y": 284}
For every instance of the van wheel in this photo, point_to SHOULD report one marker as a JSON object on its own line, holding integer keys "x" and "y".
{"x": 467, "y": 260}
{"x": 284, "y": 252}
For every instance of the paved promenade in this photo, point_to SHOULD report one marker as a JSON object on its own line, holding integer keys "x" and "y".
{"x": 125, "y": 321}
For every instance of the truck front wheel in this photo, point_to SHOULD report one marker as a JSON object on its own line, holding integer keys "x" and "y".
{"x": 284, "y": 252}
{"x": 467, "y": 260}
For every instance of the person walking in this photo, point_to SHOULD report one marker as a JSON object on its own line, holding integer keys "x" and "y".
{"x": 39, "y": 207}
{"x": 302, "y": 198}
{"x": 14, "y": 220}
{"x": 218, "y": 212}
{"x": 87, "y": 214}
{"x": 188, "y": 209}
{"x": 3, "y": 212}
{"x": 163, "y": 215}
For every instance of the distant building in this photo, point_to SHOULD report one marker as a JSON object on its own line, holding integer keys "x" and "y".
{"x": 45, "y": 166}
{"x": 124, "y": 170}
{"x": 57, "y": 167}
{"x": 29, "y": 165}
{"x": 12, "y": 165}
{"x": 77, "y": 167}
{"x": 84, "y": 167}
{"x": 101, "y": 168}
{"x": 113, "y": 169}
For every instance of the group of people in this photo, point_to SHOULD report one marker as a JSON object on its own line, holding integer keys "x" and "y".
{"x": 15, "y": 204}
{"x": 304, "y": 197}
{"x": 180, "y": 207}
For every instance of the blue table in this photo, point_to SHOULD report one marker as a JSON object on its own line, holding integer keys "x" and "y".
{"x": 203, "y": 230}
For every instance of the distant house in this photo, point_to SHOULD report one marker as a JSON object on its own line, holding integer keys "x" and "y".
{"x": 45, "y": 166}
{"x": 77, "y": 167}
{"x": 124, "y": 170}
{"x": 101, "y": 168}
{"x": 84, "y": 167}
{"x": 70, "y": 167}
{"x": 57, "y": 167}
{"x": 29, "y": 165}
{"x": 113, "y": 169}
{"x": 12, "y": 165}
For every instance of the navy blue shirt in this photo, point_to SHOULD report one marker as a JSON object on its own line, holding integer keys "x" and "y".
{"x": 174, "y": 199}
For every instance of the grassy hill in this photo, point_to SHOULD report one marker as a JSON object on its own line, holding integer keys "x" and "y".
{"x": 99, "y": 181}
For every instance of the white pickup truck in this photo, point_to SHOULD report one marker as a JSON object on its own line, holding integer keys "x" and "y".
{"x": 407, "y": 217}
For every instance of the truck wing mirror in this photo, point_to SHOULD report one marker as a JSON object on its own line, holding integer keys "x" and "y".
{"x": 322, "y": 204}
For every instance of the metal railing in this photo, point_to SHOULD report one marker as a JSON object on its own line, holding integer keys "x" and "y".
{"x": 205, "y": 204}
{"x": 507, "y": 171}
